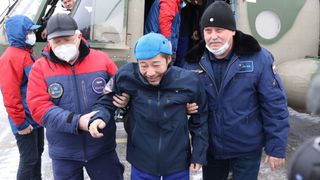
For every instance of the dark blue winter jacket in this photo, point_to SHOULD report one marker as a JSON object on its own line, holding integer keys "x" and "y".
{"x": 158, "y": 139}
{"x": 249, "y": 111}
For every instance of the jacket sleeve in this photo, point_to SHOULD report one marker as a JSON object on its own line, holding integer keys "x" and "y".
{"x": 104, "y": 105}
{"x": 274, "y": 111}
{"x": 198, "y": 127}
{"x": 43, "y": 110}
{"x": 10, "y": 86}
{"x": 166, "y": 16}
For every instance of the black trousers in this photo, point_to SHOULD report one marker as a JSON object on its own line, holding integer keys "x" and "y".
{"x": 30, "y": 147}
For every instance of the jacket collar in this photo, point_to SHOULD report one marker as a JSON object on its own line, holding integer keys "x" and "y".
{"x": 244, "y": 45}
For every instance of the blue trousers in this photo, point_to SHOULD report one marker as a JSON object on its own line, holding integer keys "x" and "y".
{"x": 106, "y": 166}
{"x": 30, "y": 148}
{"x": 243, "y": 168}
{"x": 137, "y": 174}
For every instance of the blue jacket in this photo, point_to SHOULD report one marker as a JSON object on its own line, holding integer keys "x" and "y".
{"x": 164, "y": 18}
{"x": 59, "y": 93}
{"x": 15, "y": 65}
{"x": 158, "y": 138}
{"x": 250, "y": 110}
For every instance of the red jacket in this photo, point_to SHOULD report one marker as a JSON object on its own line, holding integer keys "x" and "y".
{"x": 15, "y": 64}
{"x": 59, "y": 93}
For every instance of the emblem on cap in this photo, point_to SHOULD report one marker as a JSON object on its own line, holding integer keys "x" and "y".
{"x": 98, "y": 85}
{"x": 55, "y": 90}
{"x": 211, "y": 19}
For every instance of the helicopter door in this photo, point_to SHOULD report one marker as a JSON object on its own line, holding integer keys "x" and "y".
{"x": 102, "y": 23}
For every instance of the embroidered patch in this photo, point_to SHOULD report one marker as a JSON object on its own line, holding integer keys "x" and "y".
{"x": 246, "y": 66}
{"x": 109, "y": 86}
{"x": 55, "y": 90}
{"x": 98, "y": 85}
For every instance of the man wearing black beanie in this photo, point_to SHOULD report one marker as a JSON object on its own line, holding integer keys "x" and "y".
{"x": 247, "y": 103}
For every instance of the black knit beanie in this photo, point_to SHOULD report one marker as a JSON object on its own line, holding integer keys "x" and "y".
{"x": 218, "y": 14}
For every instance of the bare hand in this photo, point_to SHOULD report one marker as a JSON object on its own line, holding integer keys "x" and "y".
{"x": 26, "y": 131}
{"x": 192, "y": 108}
{"x": 195, "y": 166}
{"x": 274, "y": 162}
{"x": 95, "y": 126}
{"x": 84, "y": 120}
{"x": 121, "y": 101}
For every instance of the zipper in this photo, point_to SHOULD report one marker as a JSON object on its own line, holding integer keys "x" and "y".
{"x": 79, "y": 110}
{"x": 160, "y": 135}
{"x": 225, "y": 73}
{"x": 84, "y": 93}
{"x": 211, "y": 77}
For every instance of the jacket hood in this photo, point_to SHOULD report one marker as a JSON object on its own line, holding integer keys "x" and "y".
{"x": 17, "y": 28}
{"x": 243, "y": 45}
{"x": 49, "y": 54}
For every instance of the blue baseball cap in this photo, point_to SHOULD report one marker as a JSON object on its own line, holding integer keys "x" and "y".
{"x": 151, "y": 45}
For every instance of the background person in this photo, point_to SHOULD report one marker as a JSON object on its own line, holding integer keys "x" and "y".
{"x": 15, "y": 65}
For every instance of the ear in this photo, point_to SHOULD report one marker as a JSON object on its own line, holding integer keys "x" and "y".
{"x": 169, "y": 59}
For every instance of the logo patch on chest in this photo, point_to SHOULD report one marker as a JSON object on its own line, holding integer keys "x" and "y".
{"x": 55, "y": 90}
{"x": 246, "y": 66}
{"x": 98, "y": 85}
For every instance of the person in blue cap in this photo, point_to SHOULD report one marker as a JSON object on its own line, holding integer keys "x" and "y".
{"x": 15, "y": 64}
{"x": 158, "y": 137}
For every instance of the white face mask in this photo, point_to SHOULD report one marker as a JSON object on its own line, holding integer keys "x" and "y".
{"x": 31, "y": 39}
{"x": 66, "y": 52}
{"x": 219, "y": 51}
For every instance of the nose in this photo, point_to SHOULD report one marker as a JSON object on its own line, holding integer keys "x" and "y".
{"x": 150, "y": 72}
{"x": 214, "y": 35}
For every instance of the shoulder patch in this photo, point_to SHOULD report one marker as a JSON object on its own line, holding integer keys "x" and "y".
{"x": 55, "y": 90}
{"x": 98, "y": 85}
{"x": 246, "y": 66}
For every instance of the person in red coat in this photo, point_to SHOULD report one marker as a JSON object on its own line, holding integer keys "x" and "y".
{"x": 15, "y": 64}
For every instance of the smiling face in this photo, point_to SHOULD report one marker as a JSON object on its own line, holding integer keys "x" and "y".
{"x": 153, "y": 69}
{"x": 216, "y": 37}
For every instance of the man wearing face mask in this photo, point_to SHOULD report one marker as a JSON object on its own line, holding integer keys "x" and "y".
{"x": 247, "y": 103}
{"x": 15, "y": 64}
{"x": 63, "y": 86}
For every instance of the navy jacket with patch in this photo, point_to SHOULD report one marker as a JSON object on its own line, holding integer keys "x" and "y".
{"x": 249, "y": 111}
{"x": 59, "y": 93}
